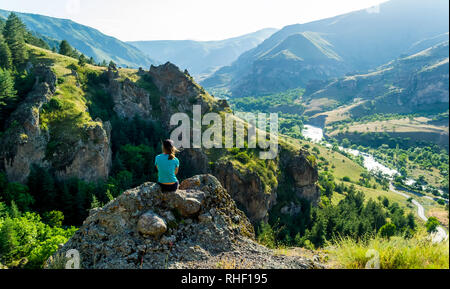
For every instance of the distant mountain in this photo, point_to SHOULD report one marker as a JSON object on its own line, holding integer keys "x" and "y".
{"x": 413, "y": 84}
{"x": 357, "y": 41}
{"x": 89, "y": 41}
{"x": 202, "y": 57}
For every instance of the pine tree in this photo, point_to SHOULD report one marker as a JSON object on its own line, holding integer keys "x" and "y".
{"x": 112, "y": 65}
{"x": 7, "y": 92}
{"x": 42, "y": 188}
{"x": 65, "y": 48}
{"x": 5, "y": 54}
{"x": 8, "y": 240}
{"x": 67, "y": 203}
{"x": 14, "y": 33}
{"x": 14, "y": 211}
{"x": 82, "y": 60}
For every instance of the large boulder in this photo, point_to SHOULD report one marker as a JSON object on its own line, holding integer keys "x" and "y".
{"x": 187, "y": 202}
{"x": 150, "y": 224}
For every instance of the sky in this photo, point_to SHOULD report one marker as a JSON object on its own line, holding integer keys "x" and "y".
{"x": 132, "y": 20}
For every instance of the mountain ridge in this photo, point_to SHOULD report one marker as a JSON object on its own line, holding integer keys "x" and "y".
{"x": 87, "y": 40}
{"x": 204, "y": 56}
{"x": 381, "y": 37}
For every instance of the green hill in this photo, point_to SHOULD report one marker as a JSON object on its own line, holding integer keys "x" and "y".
{"x": 88, "y": 41}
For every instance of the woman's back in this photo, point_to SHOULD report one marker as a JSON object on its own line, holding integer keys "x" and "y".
{"x": 166, "y": 169}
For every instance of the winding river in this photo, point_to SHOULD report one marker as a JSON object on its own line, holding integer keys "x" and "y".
{"x": 315, "y": 134}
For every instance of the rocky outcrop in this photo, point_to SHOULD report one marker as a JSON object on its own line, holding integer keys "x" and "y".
{"x": 129, "y": 99}
{"x": 304, "y": 176}
{"x": 145, "y": 228}
{"x": 92, "y": 158}
{"x": 247, "y": 190}
{"x": 180, "y": 92}
{"x": 24, "y": 144}
{"x": 299, "y": 178}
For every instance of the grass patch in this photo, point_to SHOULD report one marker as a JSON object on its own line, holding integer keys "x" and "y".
{"x": 396, "y": 253}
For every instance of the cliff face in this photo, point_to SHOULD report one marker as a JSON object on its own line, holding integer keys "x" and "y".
{"x": 198, "y": 226}
{"x": 25, "y": 143}
{"x": 179, "y": 92}
{"x": 303, "y": 174}
{"x": 247, "y": 189}
{"x": 92, "y": 158}
{"x": 129, "y": 99}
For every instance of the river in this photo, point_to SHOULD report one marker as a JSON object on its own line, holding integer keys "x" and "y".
{"x": 315, "y": 134}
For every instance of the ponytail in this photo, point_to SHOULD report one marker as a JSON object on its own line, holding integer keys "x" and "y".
{"x": 169, "y": 148}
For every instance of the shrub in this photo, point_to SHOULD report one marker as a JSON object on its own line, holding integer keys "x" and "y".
{"x": 432, "y": 224}
{"x": 388, "y": 230}
{"x": 266, "y": 235}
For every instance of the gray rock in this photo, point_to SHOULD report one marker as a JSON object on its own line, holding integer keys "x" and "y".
{"x": 151, "y": 224}
{"x": 188, "y": 203}
{"x": 205, "y": 218}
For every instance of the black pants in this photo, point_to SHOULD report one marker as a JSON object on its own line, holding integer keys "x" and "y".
{"x": 169, "y": 188}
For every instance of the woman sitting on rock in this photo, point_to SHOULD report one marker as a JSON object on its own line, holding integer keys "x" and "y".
{"x": 167, "y": 165}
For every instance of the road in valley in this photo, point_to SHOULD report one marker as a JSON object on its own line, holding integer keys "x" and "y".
{"x": 441, "y": 234}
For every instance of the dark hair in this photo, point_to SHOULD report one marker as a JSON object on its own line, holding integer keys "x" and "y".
{"x": 169, "y": 148}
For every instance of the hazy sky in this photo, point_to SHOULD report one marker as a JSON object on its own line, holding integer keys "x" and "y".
{"x": 186, "y": 19}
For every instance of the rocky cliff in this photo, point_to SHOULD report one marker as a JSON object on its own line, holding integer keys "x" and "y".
{"x": 298, "y": 169}
{"x": 179, "y": 92}
{"x": 25, "y": 143}
{"x": 129, "y": 99}
{"x": 247, "y": 189}
{"x": 198, "y": 226}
